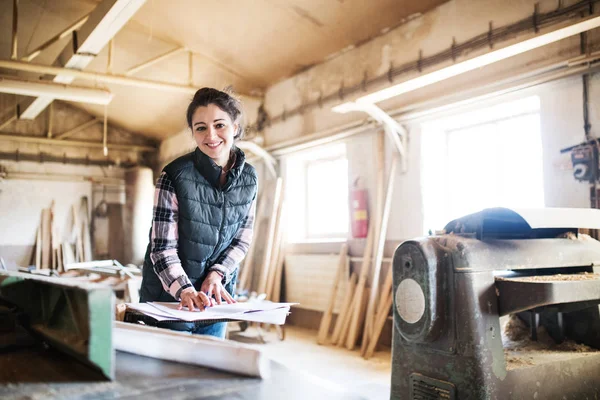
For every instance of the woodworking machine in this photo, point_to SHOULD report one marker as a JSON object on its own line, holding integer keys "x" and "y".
{"x": 452, "y": 290}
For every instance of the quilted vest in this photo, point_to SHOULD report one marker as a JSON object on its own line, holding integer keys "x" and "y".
{"x": 209, "y": 216}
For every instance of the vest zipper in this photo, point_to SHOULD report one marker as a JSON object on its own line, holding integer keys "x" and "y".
{"x": 221, "y": 226}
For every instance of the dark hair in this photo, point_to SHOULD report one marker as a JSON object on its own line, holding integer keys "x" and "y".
{"x": 221, "y": 99}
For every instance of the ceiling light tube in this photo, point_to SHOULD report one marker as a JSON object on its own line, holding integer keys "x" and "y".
{"x": 58, "y": 91}
{"x": 474, "y": 63}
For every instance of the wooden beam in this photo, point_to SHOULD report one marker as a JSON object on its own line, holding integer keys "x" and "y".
{"x": 262, "y": 287}
{"x": 326, "y": 319}
{"x": 385, "y": 216}
{"x": 74, "y": 143}
{"x": 383, "y": 309}
{"x": 50, "y": 120}
{"x": 15, "y": 23}
{"x": 340, "y": 330}
{"x": 199, "y": 350}
{"x": 104, "y": 22}
{"x": 247, "y": 268}
{"x": 69, "y": 30}
{"x": 78, "y": 128}
{"x": 104, "y": 78}
{"x": 153, "y": 61}
{"x": 356, "y": 309}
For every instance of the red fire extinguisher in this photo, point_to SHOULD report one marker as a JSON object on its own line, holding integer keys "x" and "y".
{"x": 358, "y": 210}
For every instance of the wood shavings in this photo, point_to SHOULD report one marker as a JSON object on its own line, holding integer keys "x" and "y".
{"x": 521, "y": 351}
{"x": 585, "y": 276}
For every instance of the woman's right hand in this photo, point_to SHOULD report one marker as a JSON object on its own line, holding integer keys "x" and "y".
{"x": 192, "y": 299}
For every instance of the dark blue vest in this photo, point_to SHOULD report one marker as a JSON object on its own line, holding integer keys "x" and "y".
{"x": 209, "y": 216}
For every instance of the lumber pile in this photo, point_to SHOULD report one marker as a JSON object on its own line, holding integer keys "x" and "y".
{"x": 50, "y": 253}
{"x": 366, "y": 309}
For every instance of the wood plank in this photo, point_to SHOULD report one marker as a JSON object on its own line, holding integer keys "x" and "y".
{"x": 46, "y": 239}
{"x": 276, "y": 250}
{"x": 383, "y": 310}
{"x": 264, "y": 275}
{"x": 341, "y": 326}
{"x": 382, "y": 234}
{"x": 38, "y": 248}
{"x": 200, "y": 350}
{"x": 356, "y": 320}
{"x": 247, "y": 268}
{"x": 279, "y": 275}
{"x": 116, "y": 232}
{"x": 377, "y": 215}
{"x": 85, "y": 229}
{"x": 326, "y": 319}
{"x": 378, "y": 327}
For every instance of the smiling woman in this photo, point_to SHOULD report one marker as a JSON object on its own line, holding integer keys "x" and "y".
{"x": 203, "y": 219}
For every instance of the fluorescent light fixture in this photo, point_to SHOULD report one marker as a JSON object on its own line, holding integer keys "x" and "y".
{"x": 56, "y": 91}
{"x": 474, "y": 63}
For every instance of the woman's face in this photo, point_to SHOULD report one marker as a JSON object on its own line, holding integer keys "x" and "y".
{"x": 213, "y": 132}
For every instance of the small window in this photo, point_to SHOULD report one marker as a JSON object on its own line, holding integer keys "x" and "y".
{"x": 317, "y": 194}
{"x": 488, "y": 158}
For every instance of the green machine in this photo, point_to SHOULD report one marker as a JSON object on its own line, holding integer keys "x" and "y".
{"x": 73, "y": 317}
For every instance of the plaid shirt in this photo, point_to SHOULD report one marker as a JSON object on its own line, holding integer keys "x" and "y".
{"x": 164, "y": 238}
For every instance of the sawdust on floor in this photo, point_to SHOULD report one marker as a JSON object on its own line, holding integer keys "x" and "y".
{"x": 335, "y": 367}
{"x": 521, "y": 351}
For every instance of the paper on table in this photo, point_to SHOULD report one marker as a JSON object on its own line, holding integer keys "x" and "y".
{"x": 264, "y": 312}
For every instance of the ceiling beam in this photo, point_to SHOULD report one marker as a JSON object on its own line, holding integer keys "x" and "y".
{"x": 14, "y": 48}
{"x": 102, "y": 25}
{"x": 55, "y": 90}
{"x": 154, "y": 60}
{"x": 78, "y": 128}
{"x": 15, "y": 137}
{"x": 68, "y": 31}
{"x": 11, "y": 117}
{"x": 104, "y": 78}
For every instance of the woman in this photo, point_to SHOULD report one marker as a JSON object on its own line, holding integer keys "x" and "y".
{"x": 204, "y": 207}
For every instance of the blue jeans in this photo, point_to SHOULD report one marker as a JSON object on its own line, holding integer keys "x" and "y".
{"x": 218, "y": 329}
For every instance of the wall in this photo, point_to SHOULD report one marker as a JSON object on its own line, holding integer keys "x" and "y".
{"x": 34, "y": 187}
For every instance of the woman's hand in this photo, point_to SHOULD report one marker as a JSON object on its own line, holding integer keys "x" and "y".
{"x": 212, "y": 286}
{"x": 192, "y": 300}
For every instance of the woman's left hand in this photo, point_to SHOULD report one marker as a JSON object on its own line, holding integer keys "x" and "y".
{"x": 212, "y": 286}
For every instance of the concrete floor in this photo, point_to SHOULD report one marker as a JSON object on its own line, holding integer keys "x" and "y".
{"x": 335, "y": 367}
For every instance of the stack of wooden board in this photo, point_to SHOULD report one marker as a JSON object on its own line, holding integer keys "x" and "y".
{"x": 50, "y": 253}
{"x": 365, "y": 309}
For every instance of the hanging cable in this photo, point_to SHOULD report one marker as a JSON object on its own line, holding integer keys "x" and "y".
{"x": 105, "y": 133}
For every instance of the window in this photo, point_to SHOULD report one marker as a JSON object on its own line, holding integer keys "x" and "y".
{"x": 317, "y": 194}
{"x": 488, "y": 158}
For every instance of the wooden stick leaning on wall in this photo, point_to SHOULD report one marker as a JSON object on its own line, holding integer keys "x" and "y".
{"x": 279, "y": 273}
{"x": 248, "y": 267}
{"x": 383, "y": 309}
{"x": 264, "y": 274}
{"x": 377, "y": 218}
{"x": 326, "y": 319}
{"x": 274, "y": 262}
{"x": 385, "y": 217}
{"x": 356, "y": 307}
{"x": 344, "y": 315}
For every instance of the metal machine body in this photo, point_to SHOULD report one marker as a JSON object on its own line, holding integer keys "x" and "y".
{"x": 73, "y": 317}
{"x": 450, "y": 291}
